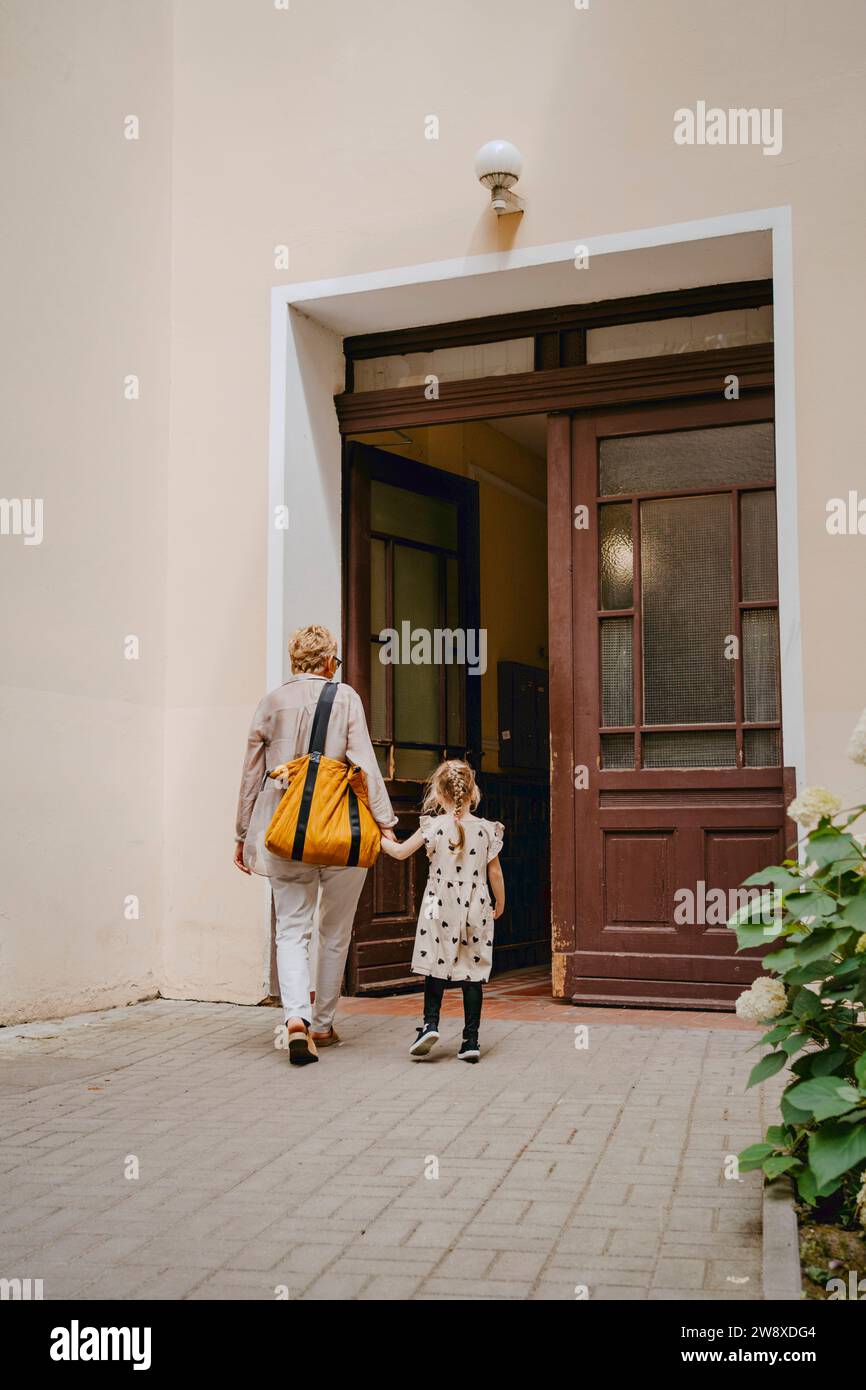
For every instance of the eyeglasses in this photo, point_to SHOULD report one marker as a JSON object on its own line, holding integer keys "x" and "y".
{"x": 338, "y": 661}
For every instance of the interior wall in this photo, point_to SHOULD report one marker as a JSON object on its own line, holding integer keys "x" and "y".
{"x": 513, "y": 550}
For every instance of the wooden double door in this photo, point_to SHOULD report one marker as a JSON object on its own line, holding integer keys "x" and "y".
{"x": 668, "y": 783}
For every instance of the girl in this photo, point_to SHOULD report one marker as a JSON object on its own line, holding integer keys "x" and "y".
{"x": 454, "y": 937}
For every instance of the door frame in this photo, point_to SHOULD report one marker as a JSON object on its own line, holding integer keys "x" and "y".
{"x": 311, "y": 320}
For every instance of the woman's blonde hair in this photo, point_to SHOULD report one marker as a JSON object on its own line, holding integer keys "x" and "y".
{"x": 452, "y": 787}
{"x": 311, "y": 648}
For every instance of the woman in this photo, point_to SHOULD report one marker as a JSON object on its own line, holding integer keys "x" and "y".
{"x": 280, "y": 731}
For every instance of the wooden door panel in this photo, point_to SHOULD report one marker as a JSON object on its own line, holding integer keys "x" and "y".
{"x": 384, "y": 931}
{"x": 638, "y": 878}
{"x": 641, "y": 835}
{"x": 733, "y": 855}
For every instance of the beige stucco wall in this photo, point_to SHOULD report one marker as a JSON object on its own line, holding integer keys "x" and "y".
{"x": 306, "y": 127}
{"x": 85, "y": 304}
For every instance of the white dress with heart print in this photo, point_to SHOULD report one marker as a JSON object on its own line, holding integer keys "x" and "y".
{"x": 454, "y": 938}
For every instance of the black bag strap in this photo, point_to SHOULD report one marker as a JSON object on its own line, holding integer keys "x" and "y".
{"x": 322, "y": 717}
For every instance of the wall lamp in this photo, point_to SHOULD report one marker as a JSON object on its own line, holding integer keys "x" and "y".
{"x": 498, "y": 165}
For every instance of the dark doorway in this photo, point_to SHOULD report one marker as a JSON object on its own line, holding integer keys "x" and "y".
{"x": 416, "y": 554}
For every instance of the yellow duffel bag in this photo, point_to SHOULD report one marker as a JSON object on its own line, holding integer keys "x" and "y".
{"x": 324, "y": 816}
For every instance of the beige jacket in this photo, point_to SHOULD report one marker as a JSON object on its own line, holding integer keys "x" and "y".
{"x": 280, "y": 731}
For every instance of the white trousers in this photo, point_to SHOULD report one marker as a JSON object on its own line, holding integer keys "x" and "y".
{"x": 336, "y": 891}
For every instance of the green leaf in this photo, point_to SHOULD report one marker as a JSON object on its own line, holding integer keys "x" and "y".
{"x": 754, "y": 1156}
{"x": 791, "y": 1115}
{"x": 820, "y": 943}
{"x": 777, "y": 876}
{"x": 809, "y": 904}
{"x": 780, "y": 1031}
{"x": 834, "y": 1149}
{"x": 846, "y": 967}
{"x": 807, "y": 1188}
{"x": 807, "y": 974}
{"x": 781, "y": 1163}
{"x": 777, "y": 1134}
{"x": 795, "y": 1042}
{"x": 781, "y": 961}
{"x": 806, "y": 1004}
{"x": 768, "y": 1066}
{"x": 828, "y": 1061}
{"x": 824, "y": 1097}
{"x": 853, "y": 914}
{"x": 860, "y": 1071}
{"x": 752, "y": 934}
{"x": 830, "y": 849}
{"x": 760, "y": 910}
{"x": 830, "y": 1187}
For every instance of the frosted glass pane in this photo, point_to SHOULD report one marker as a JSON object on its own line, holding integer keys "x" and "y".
{"x": 760, "y": 665}
{"x": 397, "y": 511}
{"x": 462, "y": 363}
{"x": 378, "y": 619}
{"x": 697, "y": 333}
{"x": 763, "y": 747}
{"x": 617, "y": 555}
{"x": 760, "y": 572}
{"x": 707, "y": 748}
{"x": 378, "y": 707}
{"x": 685, "y": 459}
{"x": 687, "y": 610}
{"x": 617, "y": 688}
{"x": 617, "y": 750}
{"x": 414, "y": 764}
{"x": 416, "y": 687}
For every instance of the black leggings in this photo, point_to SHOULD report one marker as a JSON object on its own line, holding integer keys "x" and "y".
{"x": 473, "y": 994}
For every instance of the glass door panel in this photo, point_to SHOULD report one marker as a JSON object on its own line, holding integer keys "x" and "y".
{"x": 688, "y": 599}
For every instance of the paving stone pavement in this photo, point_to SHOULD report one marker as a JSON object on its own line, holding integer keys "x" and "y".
{"x": 545, "y": 1169}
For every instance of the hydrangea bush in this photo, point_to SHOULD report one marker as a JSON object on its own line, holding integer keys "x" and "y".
{"x": 813, "y": 909}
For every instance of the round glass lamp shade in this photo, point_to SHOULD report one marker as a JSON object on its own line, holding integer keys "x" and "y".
{"x": 498, "y": 164}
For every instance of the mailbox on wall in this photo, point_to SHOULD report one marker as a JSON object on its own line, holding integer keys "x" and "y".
{"x": 523, "y": 717}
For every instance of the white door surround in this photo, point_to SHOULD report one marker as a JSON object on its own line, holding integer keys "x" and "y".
{"x": 309, "y": 321}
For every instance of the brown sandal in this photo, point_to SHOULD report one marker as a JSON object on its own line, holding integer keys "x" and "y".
{"x": 302, "y": 1049}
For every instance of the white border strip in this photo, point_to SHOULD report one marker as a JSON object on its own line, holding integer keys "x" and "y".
{"x": 732, "y": 224}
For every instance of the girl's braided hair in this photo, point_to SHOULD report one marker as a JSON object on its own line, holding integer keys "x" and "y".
{"x": 452, "y": 788}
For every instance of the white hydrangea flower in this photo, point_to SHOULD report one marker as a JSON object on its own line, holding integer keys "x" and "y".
{"x": 766, "y": 999}
{"x": 813, "y": 803}
{"x": 857, "y": 746}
